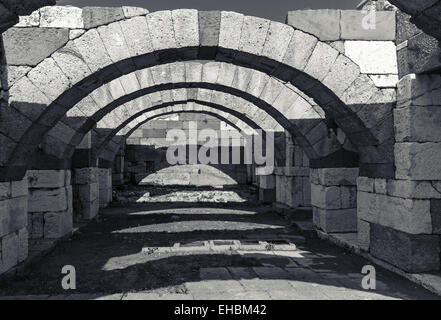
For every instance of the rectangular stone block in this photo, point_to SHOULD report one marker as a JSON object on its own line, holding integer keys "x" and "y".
{"x": 409, "y": 252}
{"x": 57, "y": 224}
{"x": 417, "y": 124}
{"x": 365, "y": 184}
{"x": 10, "y": 250}
{"x": 341, "y": 220}
{"x": 363, "y": 233}
{"x": 267, "y": 182}
{"x": 324, "y": 23}
{"x": 414, "y": 189}
{"x": 22, "y": 244}
{"x": 337, "y": 176}
{"x": 61, "y": 17}
{"x": 50, "y": 200}
{"x": 418, "y": 161}
{"x": 348, "y": 196}
{"x": 19, "y": 188}
{"x": 86, "y": 175}
{"x": 46, "y": 178}
{"x": 358, "y": 25}
{"x": 373, "y": 57}
{"x": 325, "y": 197}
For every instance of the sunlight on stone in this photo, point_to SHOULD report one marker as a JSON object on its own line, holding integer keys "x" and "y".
{"x": 191, "y": 226}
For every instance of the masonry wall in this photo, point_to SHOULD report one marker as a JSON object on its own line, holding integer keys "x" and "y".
{"x": 50, "y": 210}
{"x": 146, "y": 162}
{"x": 13, "y": 223}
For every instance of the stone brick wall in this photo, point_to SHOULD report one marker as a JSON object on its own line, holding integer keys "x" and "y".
{"x": 50, "y": 210}
{"x": 334, "y": 199}
{"x": 145, "y": 155}
{"x": 13, "y": 223}
{"x": 86, "y": 200}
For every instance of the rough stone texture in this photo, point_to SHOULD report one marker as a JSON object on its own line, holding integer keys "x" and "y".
{"x": 299, "y": 49}
{"x": 341, "y": 220}
{"x": 363, "y": 234}
{"x": 412, "y": 253}
{"x": 352, "y": 26}
{"x": 418, "y": 124}
{"x": 253, "y": 36}
{"x": 97, "y": 16}
{"x": 130, "y": 12}
{"x": 61, "y": 17}
{"x": 48, "y": 178}
{"x": 29, "y": 46}
{"x": 324, "y": 24}
{"x": 186, "y": 27}
{"x": 418, "y": 161}
{"x": 161, "y": 30}
{"x": 373, "y": 57}
{"x": 408, "y": 215}
{"x": 50, "y": 200}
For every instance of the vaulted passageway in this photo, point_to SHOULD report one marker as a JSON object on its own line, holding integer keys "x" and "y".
{"x": 85, "y": 123}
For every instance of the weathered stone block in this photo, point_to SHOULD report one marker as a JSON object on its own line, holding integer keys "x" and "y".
{"x": 365, "y": 184}
{"x": 412, "y": 253}
{"x": 10, "y": 250}
{"x": 324, "y": 23}
{"x": 353, "y": 28}
{"x": 342, "y": 220}
{"x": 325, "y": 197}
{"x": 161, "y": 30}
{"x": 186, "y": 27}
{"x": 17, "y": 210}
{"x": 337, "y": 176}
{"x": 29, "y": 46}
{"x": 363, "y": 233}
{"x": 22, "y": 244}
{"x": 380, "y": 186}
{"x": 267, "y": 182}
{"x": 229, "y": 36}
{"x": 57, "y": 224}
{"x": 374, "y": 57}
{"x": 321, "y": 61}
{"x": 32, "y": 20}
{"x": 130, "y": 12}
{"x": 299, "y": 50}
{"x": 418, "y": 161}
{"x": 50, "y": 200}
{"x": 86, "y": 176}
{"x": 414, "y": 189}
{"x": 46, "y": 178}
{"x": 435, "y": 210}
{"x": 348, "y": 196}
{"x": 61, "y": 17}
{"x": 96, "y": 16}
{"x": 417, "y": 124}
{"x": 253, "y": 35}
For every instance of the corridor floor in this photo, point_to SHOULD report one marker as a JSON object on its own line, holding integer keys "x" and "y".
{"x": 206, "y": 250}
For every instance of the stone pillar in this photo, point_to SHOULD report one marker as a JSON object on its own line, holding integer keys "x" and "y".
{"x": 267, "y": 188}
{"x": 118, "y": 169}
{"x": 49, "y": 206}
{"x": 400, "y": 218}
{"x": 105, "y": 186}
{"x": 333, "y": 199}
{"x": 13, "y": 224}
{"x": 86, "y": 193}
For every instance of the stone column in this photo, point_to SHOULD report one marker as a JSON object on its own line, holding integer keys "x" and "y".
{"x": 86, "y": 193}
{"x": 267, "y": 188}
{"x": 50, "y": 206}
{"x": 334, "y": 199}
{"x": 105, "y": 186}
{"x": 118, "y": 169}
{"x": 13, "y": 223}
{"x": 400, "y": 218}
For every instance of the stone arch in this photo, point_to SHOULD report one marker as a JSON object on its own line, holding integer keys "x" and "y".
{"x": 152, "y": 84}
{"x": 105, "y": 52}
{"x": 127, "y": 128}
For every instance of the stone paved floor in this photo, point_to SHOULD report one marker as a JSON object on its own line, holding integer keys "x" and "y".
{"x": 166, "y": 251}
